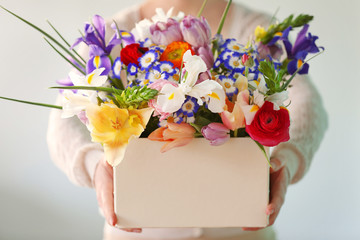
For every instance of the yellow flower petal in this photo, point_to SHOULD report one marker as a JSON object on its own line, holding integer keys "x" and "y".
{"x": 115, "y": 127}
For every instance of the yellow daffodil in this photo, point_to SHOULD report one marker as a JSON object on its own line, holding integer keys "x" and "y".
{"x": 114, "y": 128}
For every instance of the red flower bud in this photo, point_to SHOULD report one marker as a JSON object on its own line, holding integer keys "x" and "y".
{"x": 247, "y": 61}
{"x": 244, "y": 59}
{"x": 270, "y": 127}
{"x": 131, "y": 53}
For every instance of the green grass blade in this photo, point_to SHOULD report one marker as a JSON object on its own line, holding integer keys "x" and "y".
{"x": 47, "y": 35}
{"x": 32, "y": 103}
{"x": 62, "y": 55}
{"x": 66, "y": 42}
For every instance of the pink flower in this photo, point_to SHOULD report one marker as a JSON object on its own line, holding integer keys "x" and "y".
{"x": 216, "y": 133}
{"x": 174, "y": 134}
{"x": 196, "y": 31}
{"x": 165, "y": 33}
{"x": 233, "y": 118}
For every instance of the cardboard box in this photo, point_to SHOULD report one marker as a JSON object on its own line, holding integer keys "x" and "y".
{"x": 197, "y": 185}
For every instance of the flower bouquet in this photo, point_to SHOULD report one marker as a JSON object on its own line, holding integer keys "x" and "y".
{"x": 174, "y": 84}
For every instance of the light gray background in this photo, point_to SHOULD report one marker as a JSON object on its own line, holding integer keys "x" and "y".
{"x": 38, "y": 202}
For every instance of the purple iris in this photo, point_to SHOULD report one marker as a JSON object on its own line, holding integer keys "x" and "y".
{"x": 95, "y": 35}
{"x": 280, "y": 36}
{"x": 124, "y": 37}
{"x": 98, "y": 59}
{"x": 303, "y": 46}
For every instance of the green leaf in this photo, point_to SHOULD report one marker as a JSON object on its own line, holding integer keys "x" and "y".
{"x": 197, "y": 127}
{"x": 65, "y": 58}
{"x": 299, "y": 21}
{"x": 102, "y": 89}
{"x": 47, "y": 35}
{"x": 32, "y": 103}
{"x": 66, "y": 42}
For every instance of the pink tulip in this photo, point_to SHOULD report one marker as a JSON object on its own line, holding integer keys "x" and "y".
{"x": 233, "y": 118}
{"x": 216, "y": 133}
{"x": 196, "y": 31}
{"x": 174, "y": 134}
{"x": 165, "y": 33}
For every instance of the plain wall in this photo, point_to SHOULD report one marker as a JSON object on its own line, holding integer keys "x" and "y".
{"x": 38, "y": 202}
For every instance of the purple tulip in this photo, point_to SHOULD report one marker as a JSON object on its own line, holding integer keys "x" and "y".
{"x": 165, "y": 33}
{"x": 267, "y": 52}
{"x": 196, "y": 31}
{"x": 206, "y": 54}
{"x": 216, "y": 133}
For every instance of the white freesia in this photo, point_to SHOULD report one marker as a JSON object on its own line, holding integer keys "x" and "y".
{"x": 94, "y": 79}
{"x": 73, "y": 103}
{"x": 172, "y": 97}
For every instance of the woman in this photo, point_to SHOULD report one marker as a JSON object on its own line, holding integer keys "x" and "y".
{"x": 83, "y": 161}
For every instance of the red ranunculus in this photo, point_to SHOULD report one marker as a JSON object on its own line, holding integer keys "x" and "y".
{"x": 131, "y": 54}
{"x": 270, "y": 127}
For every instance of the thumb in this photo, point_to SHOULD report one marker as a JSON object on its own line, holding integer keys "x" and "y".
{"x": 276, "y": 164}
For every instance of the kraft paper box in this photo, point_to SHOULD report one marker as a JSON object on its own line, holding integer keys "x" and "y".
{"x": 197, "y": 185}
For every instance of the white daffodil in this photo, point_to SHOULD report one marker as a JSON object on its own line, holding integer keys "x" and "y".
{"x": 172, "y": 97}
{"x": 94, "y": 79}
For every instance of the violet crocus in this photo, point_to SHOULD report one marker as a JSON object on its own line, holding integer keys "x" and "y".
{"x": 164, "y": 33}
{"x": 196, "y": 31}
{"x": 216, "y": 133}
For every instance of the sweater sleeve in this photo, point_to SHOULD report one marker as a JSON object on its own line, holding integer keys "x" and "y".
{"x": 308, "y": 125}
{"x": 69, "y": 141}
{"x": 71, "y": 148}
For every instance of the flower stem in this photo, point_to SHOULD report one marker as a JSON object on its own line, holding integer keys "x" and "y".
{"x": 236, "y": 132}
{"x": 103, "y": 89}
{"x": 221, "y": 25}
{"x": 202, "y": 8}
{"x": 294, "y": 74}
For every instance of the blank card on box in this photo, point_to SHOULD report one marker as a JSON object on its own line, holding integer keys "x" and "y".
{"x": 197, "y": 185}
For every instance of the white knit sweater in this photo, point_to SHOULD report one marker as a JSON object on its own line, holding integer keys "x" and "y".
{"x": 73, "y": 152}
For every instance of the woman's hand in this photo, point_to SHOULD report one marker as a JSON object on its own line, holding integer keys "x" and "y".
{"x": 104, "y": 187}
{"x": 279, "y": 181}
